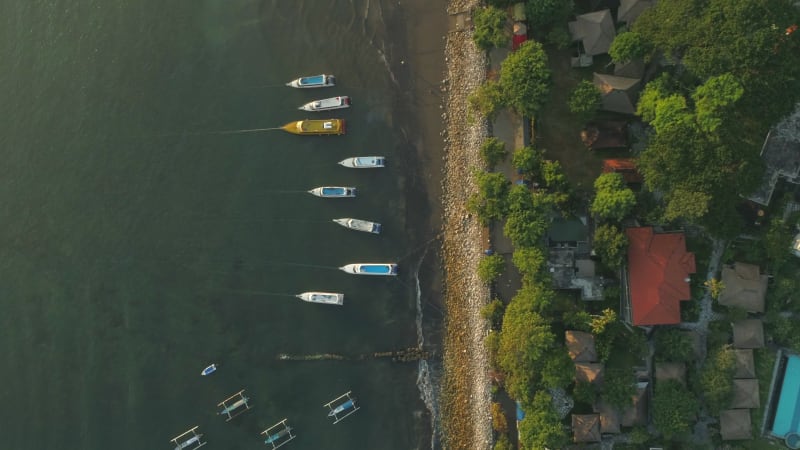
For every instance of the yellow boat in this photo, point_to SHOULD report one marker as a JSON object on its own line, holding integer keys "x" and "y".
{"x": 318, "y": 127}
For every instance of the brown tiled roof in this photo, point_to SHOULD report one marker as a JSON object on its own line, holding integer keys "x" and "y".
{"x": 580, "y": 346}
{"x": 589, "y": 372}
{"x": 745, "y": 366}
{"x": 671, "y": 371}
{"x": 744, "y": 287}
{"x": 586, "y": 428}
{"x": 748, "y": 333}
{"x": 745, "y": 394}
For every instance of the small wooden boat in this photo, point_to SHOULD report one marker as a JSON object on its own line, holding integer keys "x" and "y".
{"x": 234, "y": 405}
{"x": 333, "y": 191}
{"x": 314, "y": 81}
{"x": 364, "y": 162}
{"x": 209, "y": 370}
{"x": 325, "y": 298}
{"x": 189, "y": 440}
{"x": 379, "y": 269}
{"x": 359, "y": 225}
{"x": 315, "y": 127}
{"x": 326, "y": 104}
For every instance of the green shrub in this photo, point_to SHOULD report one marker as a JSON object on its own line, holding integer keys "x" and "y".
{"x": 490, "y": 267}
{"x": 493, "y": 151}
{"x": 490, "y": 28}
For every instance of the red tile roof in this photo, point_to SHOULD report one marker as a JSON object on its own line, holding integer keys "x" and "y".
{"x": 658, "y": 265}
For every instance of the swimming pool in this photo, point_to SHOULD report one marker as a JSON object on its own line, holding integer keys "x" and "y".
{"x": 787, "y": 413}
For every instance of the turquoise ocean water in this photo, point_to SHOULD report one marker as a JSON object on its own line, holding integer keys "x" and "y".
{"x": 139, "y": 244}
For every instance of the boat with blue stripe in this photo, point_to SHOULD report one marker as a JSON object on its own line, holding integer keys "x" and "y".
{"x": 278, "y": 434}
{"x": 376, "y": 269}
{"x": 314, "y": 81}
{"x": 333, "y": 191}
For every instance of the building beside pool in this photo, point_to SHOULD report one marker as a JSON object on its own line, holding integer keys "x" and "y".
{"x": 782, "y": 417}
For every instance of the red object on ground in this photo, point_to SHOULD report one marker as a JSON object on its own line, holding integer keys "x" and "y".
{"x": 625, "y": 167}
{"x": 658, "y": 267}
{"x": 517, "y": 40}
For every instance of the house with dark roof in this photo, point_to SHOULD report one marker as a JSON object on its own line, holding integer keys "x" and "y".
{"x": 636, "y": 413}
{"x": 599, "y": 135}
{"x": 745, "y": 364}
{"x": 656, "y": 280}
{"x": 595, "y": 31}
{"x": 781, "y": 156}
{"x": 619, "y": 94}
{"x": 671, "y": 371}
{"x": 744, "y": 287}
{"x": 735, "y": 424}
{"x": 745, "y": 394}
{"x": 748, "y": 333}
{"x": 609, "y": 417}
{"x": 568, "y": 259}
{"x": 629, "y": 10}
{"x": 590, "y": 372}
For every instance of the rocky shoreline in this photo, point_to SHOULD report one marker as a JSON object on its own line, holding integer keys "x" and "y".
{"x": 466, "y": 388}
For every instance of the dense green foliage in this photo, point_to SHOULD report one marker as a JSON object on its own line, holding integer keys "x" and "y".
{"x": 674, "y": 407}
{"x": 493, "y": 151}
{"x": 490, "y": 28}
{"x": 673, "y": 345}
{"x": 489, "y": 203}
{"x": 541, "y": 427}
{"x": 739, "y": 74}
{"x": 487, "y": 99}
{"x": 610, "y": 244}
{"x": 530, "y": 261}
{"x": 618, "y": 388}
{"x": 584, "y": 392}
{"x": 716, "y": 379}
{"x": 502, "y": 443}
{"x": 525, "y": 339}
{"x": 613, "y": 200}
{"x": 627, "y": 46}
{"x": 525, "y": 79}
{"x": 543, "y": 13}
{"x": 499, "y": 422}
{"x": 746, "y": 38}
{"x": 585, "y": 100}
{"x": 490, "y": 267}
{"x": 493, "y": 312}
{"x": 528, "y": 161}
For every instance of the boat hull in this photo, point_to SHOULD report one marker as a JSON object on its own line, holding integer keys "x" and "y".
{"x": 364, "y": 162}
{"x": 313, "y": 127}
{"x": 314, "y": 81}
{"x": 209, "y": 370}
{"x": 334, "y": 191}
{"x": 323, "y": 298}
{"x": 373, "y": 269}
{"x": 359, "y": 225}
{"x": 327, "y": 104}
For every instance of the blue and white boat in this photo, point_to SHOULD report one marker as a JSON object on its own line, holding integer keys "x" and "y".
{"x": 341, "y": 407}
{"x": 364, "y": 162}
{"x": 278, "y": 434}
{"x": 359, "y": 225}
{"x": 209, "y": 370}
{"x": 333, "y": 191}
{"x": 378, "y": 269}
{"x": 314, "y": 81}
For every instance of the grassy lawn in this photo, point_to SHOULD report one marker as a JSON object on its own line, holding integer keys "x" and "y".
{"x": 765, "y": 363}
{"x": 558, "y": 130}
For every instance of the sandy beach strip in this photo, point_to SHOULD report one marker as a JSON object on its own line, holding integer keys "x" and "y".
{"x": 466, "y": 389}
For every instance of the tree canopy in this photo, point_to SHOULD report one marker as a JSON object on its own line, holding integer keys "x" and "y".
{"x": 490, "y": 28}
{"x": 610, "y": 245}
{"x": 541, "y": 427}
{"x": 613, "y": 200}
{"x": 493, "y": 151}
{"x": 525, "y": 79}
{"x": 627, "y": 46}
{"x": 585, "y": 100}
{"x": 489, "y": 203}
{"x": 673, "y": 408}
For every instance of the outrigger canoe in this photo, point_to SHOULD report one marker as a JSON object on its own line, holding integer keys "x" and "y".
{"x": 315, "y": 127}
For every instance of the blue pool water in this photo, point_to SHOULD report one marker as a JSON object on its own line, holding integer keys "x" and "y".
{"x": 318, "y": 79}
{"x": 376, "y": 269}
{"x": 787, "y": 414}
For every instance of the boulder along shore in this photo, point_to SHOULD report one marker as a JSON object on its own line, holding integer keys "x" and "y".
{"x": 466, "y": 388}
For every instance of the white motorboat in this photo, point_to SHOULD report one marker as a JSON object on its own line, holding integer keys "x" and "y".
{"x": 333, "y": 191}
{"x": 364, "y": 162}
{"x": 325, "y": 298}
{"x": 314, "y": 81}
{"x": 379, "y": 269}
{"x": 327, "y": 104}
{"x": 359, "y": 225}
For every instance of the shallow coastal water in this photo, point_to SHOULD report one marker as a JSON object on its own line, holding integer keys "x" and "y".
{"x": 141, "y": 241}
